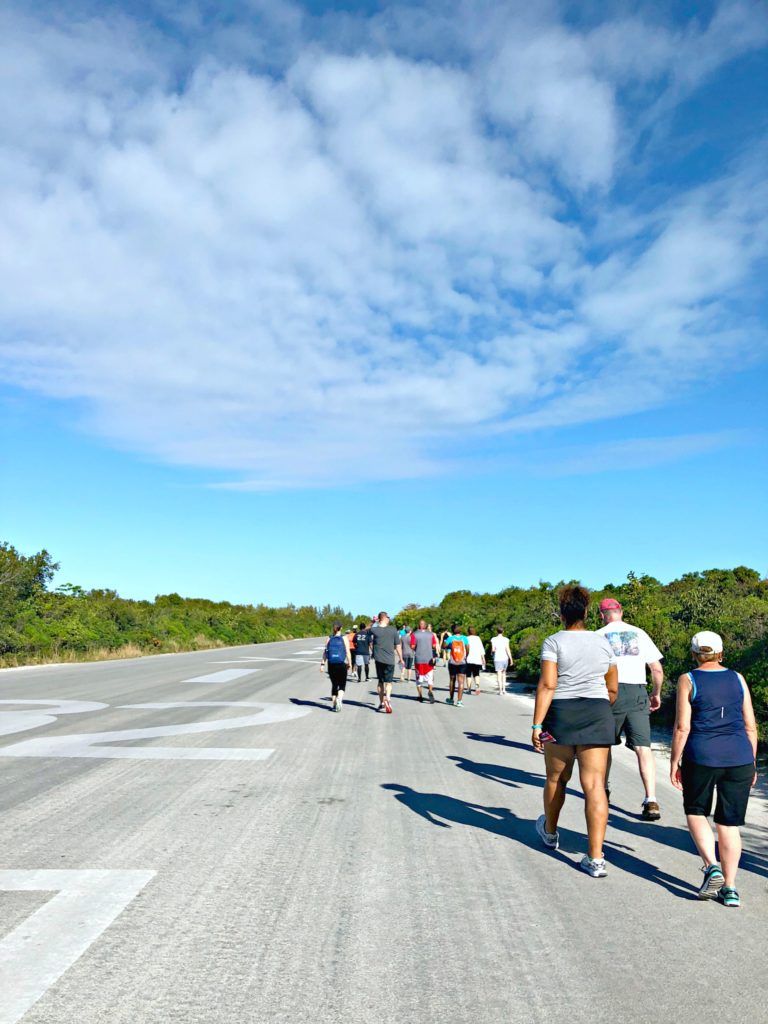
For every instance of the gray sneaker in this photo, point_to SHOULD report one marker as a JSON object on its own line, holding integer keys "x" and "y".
{"x": 550, "y": 839}
{"x": 595, "y": 868}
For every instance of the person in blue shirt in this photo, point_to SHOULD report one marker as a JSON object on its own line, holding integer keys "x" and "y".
{"x": 714, "y": 746}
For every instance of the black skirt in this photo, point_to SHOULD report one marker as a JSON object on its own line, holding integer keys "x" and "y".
{"x": 583, "y": 721}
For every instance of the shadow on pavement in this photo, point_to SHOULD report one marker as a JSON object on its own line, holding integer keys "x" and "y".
{"x": 441, "y": 810}
{"x": 502, "y": 741}
{"x": 515, "y": 777}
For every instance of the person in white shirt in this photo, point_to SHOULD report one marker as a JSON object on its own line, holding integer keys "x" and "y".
{"x": 502, "y": 658}
{"x": 634, "y": 650}
{"x": 475, "y": 660}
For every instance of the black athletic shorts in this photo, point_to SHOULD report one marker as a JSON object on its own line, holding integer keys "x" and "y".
{"x": 733, "y": 786}
{"x": 582, "y": 721}
{"x": 473, "y": 671}
{"x": 338, "y": 677}
{"x": 384, "y": 673}
{"x": 632, "y": 715}
{"x": 457, "y": 670}
{"x": 408, "y": 661}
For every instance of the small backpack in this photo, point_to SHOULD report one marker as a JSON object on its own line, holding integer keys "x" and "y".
{"x": 336, "y": 652}
{"x": 458, "y": 650}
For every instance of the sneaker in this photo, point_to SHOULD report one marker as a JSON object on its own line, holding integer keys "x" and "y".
{"x": 387, "y": 707}
{"x": 651, "y": 811}
{"x": 337, "y": 707}
{"x": 713, "y": 882}
{"x": 595, "y": 868}
{"x": 728, "y": 897}
{"x": 449, "y": 700}
{"x": 420, "y": 698}
{"x": 431, "y": 697}
{"x": 550, "y": 839}
{"x": 380, "y": 707}
{"x": 459, "y": 703}
{"x": 477, "y": 692}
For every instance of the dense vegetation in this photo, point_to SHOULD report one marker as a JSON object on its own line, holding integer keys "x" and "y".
{"x": 40, "y": 624}
{"x": 733, "y": 602}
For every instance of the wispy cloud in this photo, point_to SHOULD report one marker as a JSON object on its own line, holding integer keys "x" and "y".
{"x": 249, "y": 243}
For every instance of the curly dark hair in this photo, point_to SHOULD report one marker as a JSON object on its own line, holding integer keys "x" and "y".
{"x": 574, "y": 604}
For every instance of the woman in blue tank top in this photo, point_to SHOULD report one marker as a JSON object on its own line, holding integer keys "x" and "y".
{"x": 713, "y": 750}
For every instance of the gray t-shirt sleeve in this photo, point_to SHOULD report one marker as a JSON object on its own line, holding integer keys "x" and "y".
{"x": 549, "y": 649}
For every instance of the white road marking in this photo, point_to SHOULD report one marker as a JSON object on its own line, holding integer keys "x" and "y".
{"x": 20, "y": 721}
{"x": 90, "y": 744}
{"x": 226, "y": 675}
{"x": 46, "y": 944}
{"x": 303, "y": 661}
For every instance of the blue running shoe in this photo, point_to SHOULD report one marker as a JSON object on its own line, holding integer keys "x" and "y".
{"x": 713, "y": 882}
{"x": 729, "y": 897}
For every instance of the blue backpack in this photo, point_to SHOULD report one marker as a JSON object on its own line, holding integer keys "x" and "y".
{"x": 336, "y": 651}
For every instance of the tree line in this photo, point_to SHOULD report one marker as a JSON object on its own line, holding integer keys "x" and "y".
{"x": 41, "y": 623}
{"x": 733, "y": 602}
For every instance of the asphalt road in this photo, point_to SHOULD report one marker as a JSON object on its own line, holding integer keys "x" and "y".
{"x": 211, "y": 861}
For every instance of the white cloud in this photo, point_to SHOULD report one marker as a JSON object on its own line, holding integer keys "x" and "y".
{"x": 251, "y": 268}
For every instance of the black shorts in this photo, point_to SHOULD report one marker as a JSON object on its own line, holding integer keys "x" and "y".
{"x": 632, "y": 715}
{"x": 456, "y": 670}
{"x": 408, "y": 661}
{"x": 384, "y": 673}
{"x": 733, "y": 786}
{"x": 583, "y": 721}
{"x": 473, "y": 671}
{"x": 338, "y": 677}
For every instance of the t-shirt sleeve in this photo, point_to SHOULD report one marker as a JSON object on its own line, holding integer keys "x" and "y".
{"x": 549, "y": 649}
{"x": 649, "y": 650}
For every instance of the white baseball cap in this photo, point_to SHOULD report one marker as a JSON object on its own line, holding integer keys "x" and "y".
{"x": 708, "y": 640}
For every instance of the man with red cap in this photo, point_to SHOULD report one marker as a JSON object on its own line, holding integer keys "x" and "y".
{"x": 635, "y": 650}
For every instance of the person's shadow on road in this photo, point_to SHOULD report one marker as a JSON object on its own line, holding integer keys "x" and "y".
{"x": 507, "y": 776}
{"x": 502, "y": 741}
{"x": 441, "y": 810}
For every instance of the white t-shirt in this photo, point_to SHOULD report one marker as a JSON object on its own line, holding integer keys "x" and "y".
{"x": 582, "y": 659}
{"x": 633, "y": 649}
{"x": 476, "y": 653}
{"x": 499, "y": 647}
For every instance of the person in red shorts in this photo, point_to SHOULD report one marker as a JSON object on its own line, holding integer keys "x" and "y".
{"x": 424, "y": 646}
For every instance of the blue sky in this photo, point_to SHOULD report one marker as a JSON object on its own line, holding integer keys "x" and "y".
{"x": 364, "y": 305}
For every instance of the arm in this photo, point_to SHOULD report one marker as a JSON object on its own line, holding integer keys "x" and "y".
{"x": 325, "y": 655}
{"x": 399, "y": 652}
{"x": 749, "y": 721}
{"x": 682, "y": 728}
{"x": 349, "y": 653}
{"x": 509, "y": 654}
{"x": 545, "y": 691}
{"x": 657, "y": 675}
{"x": 612, "y": 682}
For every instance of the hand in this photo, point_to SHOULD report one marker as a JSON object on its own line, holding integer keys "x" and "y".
{"x": 674, "y": 778}
{"x": 655, "y": 702}
{"x": 754, "y": 779}
{"x": 536, "y": 740}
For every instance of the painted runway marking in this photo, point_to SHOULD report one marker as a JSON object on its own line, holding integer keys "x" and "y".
{"x": 303, "y": 661}
{"x": 20, "y": 721}
{"x": 48, "y": 942}
{"x": 91, "y": 744}
{"x": 226, "y": 675}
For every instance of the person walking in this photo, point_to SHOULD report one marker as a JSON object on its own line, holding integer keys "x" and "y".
{"x": 714, "y": 746}
{"x": 424, "y": 645}
{"x": 337, "y": 656}
{"x": 386, "y": 648}
{"x": 457, "y": 648}
{"x": 475, "y": 660}
{"x": 634, "y": 650}
{"x": 572, "y": 721}
{"x": 363, "y": 641}
{"x": 502, "y": 658}
{"x": 405, "y": 640}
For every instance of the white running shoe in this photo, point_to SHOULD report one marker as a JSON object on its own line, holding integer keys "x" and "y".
{"x": 550, "y": 839}
{"x": 595, "y": 868}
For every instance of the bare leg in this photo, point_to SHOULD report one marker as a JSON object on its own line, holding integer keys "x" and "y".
{"x": 729, "y": 845}
{"x": 451, "y": 685}
{"x": 593, "y": 762}
{"x": 460, "y": 680}
{"x": 558, "y": 759}
{"x": 389, "y": 690}
{"x": 703, "y": 837}
{"x": 647, "y": 764}
{"x": 501, "y": 678}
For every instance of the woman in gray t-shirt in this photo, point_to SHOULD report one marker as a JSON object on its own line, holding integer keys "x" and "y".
{"x": 573, "y": 722}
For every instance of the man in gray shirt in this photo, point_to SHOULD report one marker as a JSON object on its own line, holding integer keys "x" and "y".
{"x": 386, "y": 647}
{"x": 425, "y": 651}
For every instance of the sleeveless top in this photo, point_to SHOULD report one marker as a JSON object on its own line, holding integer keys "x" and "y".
{"x": 718, "y": 737}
